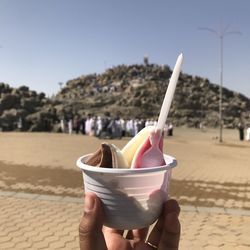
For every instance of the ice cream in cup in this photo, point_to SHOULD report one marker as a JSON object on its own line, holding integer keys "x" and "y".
{"x": 131, "y": 198}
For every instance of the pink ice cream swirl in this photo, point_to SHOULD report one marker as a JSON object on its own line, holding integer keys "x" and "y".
{"x": 150, "y": 153}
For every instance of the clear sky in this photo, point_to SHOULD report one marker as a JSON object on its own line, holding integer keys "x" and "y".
{"x": 44, "y": 42}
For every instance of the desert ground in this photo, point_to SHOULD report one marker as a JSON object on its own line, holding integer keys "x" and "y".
{"x": 41, "y": 188}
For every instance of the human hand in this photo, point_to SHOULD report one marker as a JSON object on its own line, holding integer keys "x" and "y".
{"x": 94, "y": 236}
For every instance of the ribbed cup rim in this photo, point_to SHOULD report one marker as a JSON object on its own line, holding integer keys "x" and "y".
{"x": 171, "y": 163}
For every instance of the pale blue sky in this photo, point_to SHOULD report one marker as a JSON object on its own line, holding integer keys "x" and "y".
{"x": 49, "y": 41}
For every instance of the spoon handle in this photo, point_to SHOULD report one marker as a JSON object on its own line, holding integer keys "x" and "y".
{"x": 169, "y": 94}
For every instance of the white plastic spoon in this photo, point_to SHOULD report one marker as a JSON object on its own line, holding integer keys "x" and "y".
{"x": 153, "y": 156}
{"x": 169, "y": 94}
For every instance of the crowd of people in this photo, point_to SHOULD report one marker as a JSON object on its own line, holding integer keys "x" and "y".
{"x": 107, "y": 126}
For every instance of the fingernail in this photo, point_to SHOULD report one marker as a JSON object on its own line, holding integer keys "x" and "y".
{"x": 89, "y": 203}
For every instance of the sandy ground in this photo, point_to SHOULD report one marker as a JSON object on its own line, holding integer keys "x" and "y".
{"x": 207, "y": 169}
{"x": 62, "y": 150}
{"x": 211, "y": 183}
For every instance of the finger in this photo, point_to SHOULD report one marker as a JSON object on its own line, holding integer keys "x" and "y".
{"x": 155, "y": 235}
{"x": 171, "y": 206}
{"x": 90, "y": 228}
{"x": 137, "y": 234}
{"x": 171, "y": 233}
{"x": 108, "y": 230}
{"x": 115, "y": 240}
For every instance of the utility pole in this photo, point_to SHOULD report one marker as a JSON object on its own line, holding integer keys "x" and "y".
{"x": 224, "y": 31}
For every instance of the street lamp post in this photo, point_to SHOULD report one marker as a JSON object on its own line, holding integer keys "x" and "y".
{"x": 221, "y": 34}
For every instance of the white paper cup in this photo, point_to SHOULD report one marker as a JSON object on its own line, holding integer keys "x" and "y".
{"x": 131, "y": 198}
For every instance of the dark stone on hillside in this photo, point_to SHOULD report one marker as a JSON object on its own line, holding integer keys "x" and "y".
{"x": 30, "y": 103}
{"x": 43, "y": 120}
{"x": 9, "y": 101}
{"x": 23, "y": 89}
{"x": 8, "y": 119}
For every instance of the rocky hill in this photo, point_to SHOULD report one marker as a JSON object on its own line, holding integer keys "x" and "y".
{"x": 138, "y": 91}
{"x": 23, "y": 109}
{"x": 129, "y": 91}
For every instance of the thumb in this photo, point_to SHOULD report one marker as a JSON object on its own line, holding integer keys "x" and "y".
{"x": 90, "y": 228}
